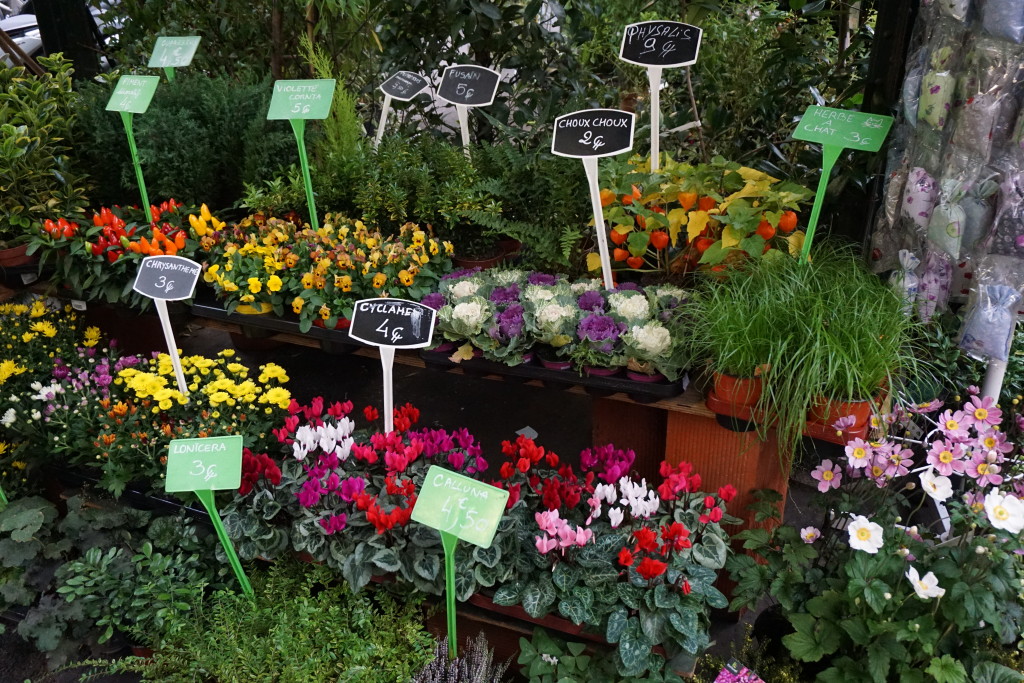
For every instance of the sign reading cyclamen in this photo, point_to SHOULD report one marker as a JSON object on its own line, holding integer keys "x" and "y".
{"x": 588, "y": 135}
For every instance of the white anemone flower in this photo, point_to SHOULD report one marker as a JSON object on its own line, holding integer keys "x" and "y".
{"x": 1005, "y": 511}
{"x": 935, "y": 485}
{"x": 865, "y": 535}
{"x": 926, "y": 586}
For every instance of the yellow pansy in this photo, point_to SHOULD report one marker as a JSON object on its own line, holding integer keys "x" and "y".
{"x": 379, "y": 280}
{"x": 274, "y": 284}
{"x": 297, "y": 304}
{"x": 325, "y": 312}
{"x": 405, "y": 277}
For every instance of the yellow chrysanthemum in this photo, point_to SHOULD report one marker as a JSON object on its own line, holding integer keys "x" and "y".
{"x": 92, "y": 336}
{"x": 277, "y": 396}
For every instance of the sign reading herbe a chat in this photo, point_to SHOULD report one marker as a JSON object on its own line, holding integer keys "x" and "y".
{"x": 843, "y": 128}
{"x": 306, "y": 99}
{"x": 133, "y": 94}
{"x": 593, "y": 133}
{"x": 460, "y": 506}
{"x": 172, "y": 51}
{"x": 209, "y": 464}
{"x": 171, "y": 278}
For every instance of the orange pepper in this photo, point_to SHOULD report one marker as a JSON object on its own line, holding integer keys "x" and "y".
{"x": 170, "y": 249}
{"x": 179, "y": 240}
{"x": 157, "y": 235}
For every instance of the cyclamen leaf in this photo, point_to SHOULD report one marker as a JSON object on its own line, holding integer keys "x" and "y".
{"x": 508, "y": 594}
{"x": 616, "y": 624}
{"x": 428, "y": 566}
{"x": 387, "y": 560}
{"x": 634, "y": 648}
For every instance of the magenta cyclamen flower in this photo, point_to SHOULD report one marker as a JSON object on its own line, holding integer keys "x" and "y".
{"x": 827, "y": 475}
{"x": 984, "y": 468}
{"x": 982, "y": 412}
{"x": 334, "y": 523}
{"x": 352, "y": 487}
{"x": 946, "y": 457}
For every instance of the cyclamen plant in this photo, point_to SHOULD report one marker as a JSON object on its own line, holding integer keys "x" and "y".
{"x": 889, "y": 580}
{"x": 634, "y": 562}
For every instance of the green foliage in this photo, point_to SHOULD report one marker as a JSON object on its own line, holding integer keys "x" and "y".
{"x": 474, "y": 664}
{"x": 302, "y": 625}
{"x": 200, "y": 140}
{"x": 37, "y": 119}
{"x": 546, "y": 659}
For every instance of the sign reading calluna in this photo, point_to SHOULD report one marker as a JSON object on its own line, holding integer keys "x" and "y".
{"x": 133, "y": 94}
{"x": 593, "y": 133}
{"x": 171, "y": 278}
{"x": 458, "y": 505}
{"x": 660, "y": 43}
{"x": 404, "y": 86}
{"x": 209, "y": 464}
{"x": 396, "y": 323}
{"x": 171, "y": 51}
{"x": 307, "y": 99}
{"x": 468, "y": 85}
{"x": 847, "y": 129}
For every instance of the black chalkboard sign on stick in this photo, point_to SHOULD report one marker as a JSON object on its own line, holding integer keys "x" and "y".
{"x": 402, "y": 86}
{"x": 589, "y": 135}
{"x": 468, "y": 85}
{"x": 391, "y": 324}
{"x": 659, "y": 45}
{"x": 163, "y": 279}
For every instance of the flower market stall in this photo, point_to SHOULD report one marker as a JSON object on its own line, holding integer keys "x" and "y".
{"x": 269, "y": 424}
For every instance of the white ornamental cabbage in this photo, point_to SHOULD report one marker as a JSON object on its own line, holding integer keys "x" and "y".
{"x": 651, "y": 340}
{"x": 632, "y": 306}
{"x": 464, "y": 289}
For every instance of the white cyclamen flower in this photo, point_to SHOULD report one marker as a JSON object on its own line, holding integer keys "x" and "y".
{"x": 865, "y": 535}
{"x": 926, "y": 586}
{"x": 464, "y": 288}
{"x": 938, "y": 487}
{"x": 606, "y": 492}
{"x": 652, "y": 339}
{"x": 1005, "y": 511}
{"x": 9, "y": 417}
{"x": 633, "y": 307}
{"x": 615, "y": 516}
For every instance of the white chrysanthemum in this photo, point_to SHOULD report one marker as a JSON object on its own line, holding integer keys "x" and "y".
{"x": 472, "y": 313}
{"x": 464, "y": 289}
{"x": 652, "y": 339}
{"x": 633, "y": 307}
{"x": 553, "y": 314}
{"x": 9, "y": 417}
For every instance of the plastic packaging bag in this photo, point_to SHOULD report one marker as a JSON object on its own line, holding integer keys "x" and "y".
{"x": 933, "y": 289}
{"x": 1006, "y": 236}
{"x": 986, "y": 103}
{"x": 988, "y": 326}
{"x": 955, "y": 9}
{"x": 904, "y": 280}
{"x": 919, "y": 197}
{"x": 945, "y": 227}
{"x": 1004, "y": 19}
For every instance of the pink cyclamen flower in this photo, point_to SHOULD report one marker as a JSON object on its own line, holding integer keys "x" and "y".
{"x": 827, "y": 475}
{"x": 859, "y": 453}
{"x": 953, "y": 425}
{"x": 983, "y": 468}
{"x": 545, "y": 545}
{"x": 810, "y": 534}
{"x": 982, "y": 412}
{"x": 946, "y": 457}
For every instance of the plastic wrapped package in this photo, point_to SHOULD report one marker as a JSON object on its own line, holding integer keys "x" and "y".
{"x": 917, "y": 63}
{"x": 955, "y": 9}
{"x": 979, "y": 206}
{"x": 885, "y": 242}
{"x": 1004, "y": 19}
{"x": 986, "y": 104}
{"x": 988, "y": 326}
{"x": 945, "y": 227}
{"x": 936, "y": 100}
{"x": 919, "y": 197}
{"x": 1006, "y": 236}
{"x": 935, "y": 281}
{"x": 904, "y": 280}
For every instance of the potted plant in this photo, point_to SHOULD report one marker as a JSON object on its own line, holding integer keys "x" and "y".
{"x": 37, "y": 181}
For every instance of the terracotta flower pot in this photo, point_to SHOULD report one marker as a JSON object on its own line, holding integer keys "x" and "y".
{"x": 15, "y": 256}
{"x": 826, "y": 411}
{"x": 738, "y": 391}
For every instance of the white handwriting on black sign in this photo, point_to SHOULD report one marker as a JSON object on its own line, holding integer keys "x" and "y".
{"x": 591, "y": 140}
{"x": 647, "y": 31}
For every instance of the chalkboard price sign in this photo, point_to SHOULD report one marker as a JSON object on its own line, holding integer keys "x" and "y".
{"x": 209, "y": 464}
{"x": 468, "y": 85}
{"x": 404, "y": 86}
{"x": 843, "y": 128}
{"x": 593, "y": 133}
{"x": 392, "y": 322}
{"x": 132, "y": 94}
{"x": 169, "y": 278}
{"x": 458, "y": 505}
{"x": 172, "y": 51}
{"x": 660, "y": 43}
{"x": 306, "y": 99}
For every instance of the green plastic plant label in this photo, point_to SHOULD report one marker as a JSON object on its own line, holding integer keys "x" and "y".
{"x": 458, "y": 505}
{"x": 133, "y": 94}
{"x": 843, "y": 128}
{"x": 172, "y": 51}
{"x": 306, "y": 99}
{"x": 209, "y": 464}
